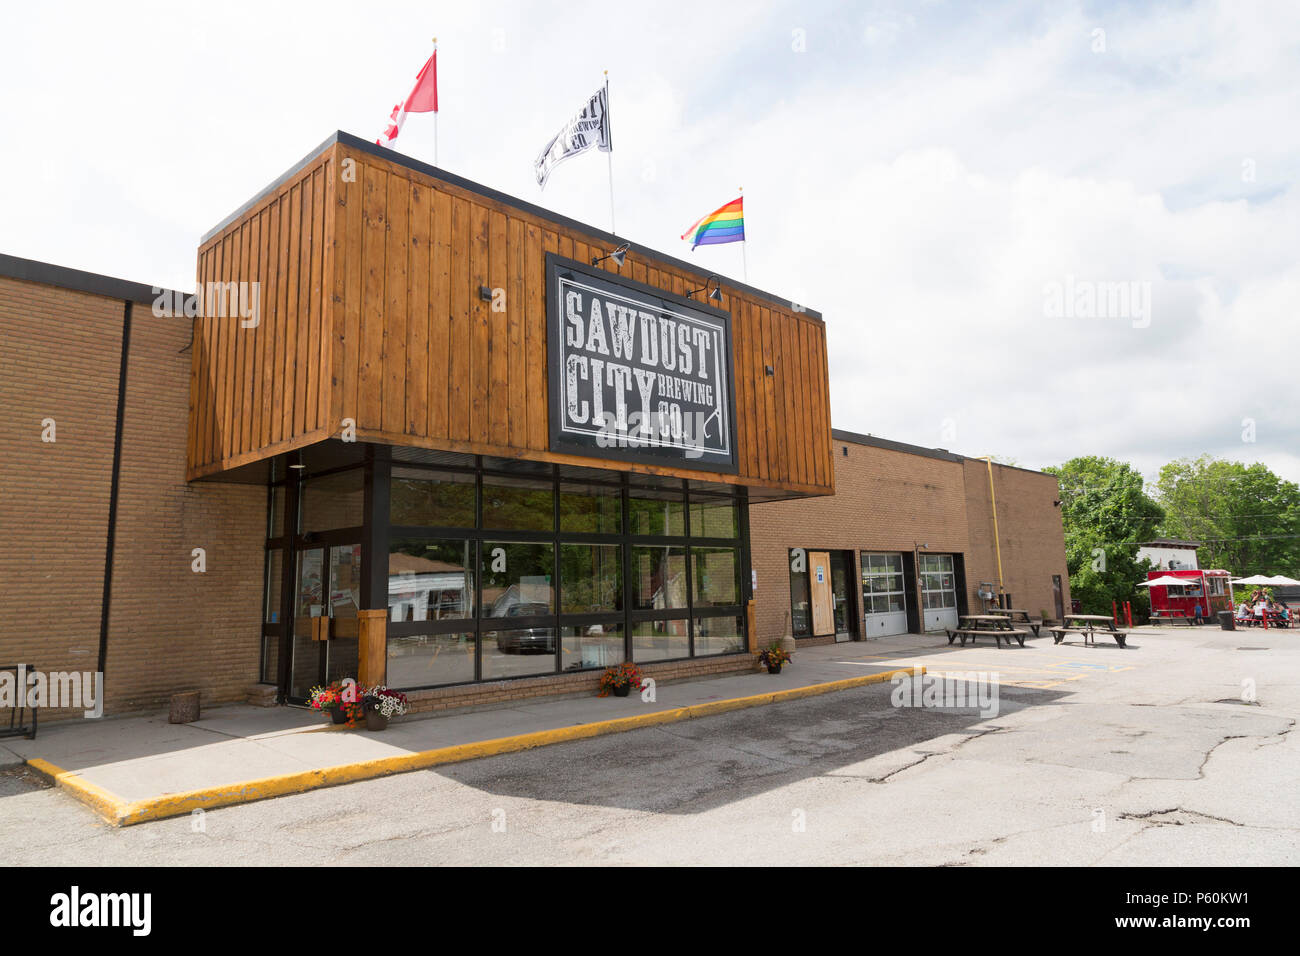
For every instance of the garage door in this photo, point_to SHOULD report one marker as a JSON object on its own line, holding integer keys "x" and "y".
{"x": 938, "y": 591}
{"x": 884, "y": 596}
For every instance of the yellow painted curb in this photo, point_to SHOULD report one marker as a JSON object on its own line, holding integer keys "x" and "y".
{"x": 123, "y": 813}
{"x": 106, "y": 804}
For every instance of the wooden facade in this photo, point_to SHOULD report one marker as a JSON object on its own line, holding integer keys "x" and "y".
{"x": 370, "y": 268}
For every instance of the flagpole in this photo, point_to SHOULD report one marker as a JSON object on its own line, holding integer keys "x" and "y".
{"x": 435, "y": 112}
{"x": 609, "y": 155}
{"x": 744, "y": 259}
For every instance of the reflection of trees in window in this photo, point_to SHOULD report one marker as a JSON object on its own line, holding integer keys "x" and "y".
{"x": 591, "y": 578}
{"x": 511, "y": 504}
{"x": 434, "y": 500}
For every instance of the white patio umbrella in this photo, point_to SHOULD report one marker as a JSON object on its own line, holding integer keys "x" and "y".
{"x": 1254, "y": 579}
{"x": 1281, "y": 580}
{"x": 1168, "y": 581}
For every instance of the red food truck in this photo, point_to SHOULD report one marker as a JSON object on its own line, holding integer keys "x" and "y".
{"x": 1209, "y": 588}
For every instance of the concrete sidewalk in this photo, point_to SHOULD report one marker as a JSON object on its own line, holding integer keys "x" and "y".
{"x": 134, "y": 769}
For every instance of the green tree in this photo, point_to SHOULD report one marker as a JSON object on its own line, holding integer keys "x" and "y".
{"x": 1106, "y": 513}
{"x": 1246, "y": 517}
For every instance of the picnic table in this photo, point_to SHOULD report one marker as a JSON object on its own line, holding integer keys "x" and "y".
{"x": 996, "y": 626}
{"x": 1019, "y": 616}
{"x": 1090, "y": 625}
{"x": 1173, "y": 615}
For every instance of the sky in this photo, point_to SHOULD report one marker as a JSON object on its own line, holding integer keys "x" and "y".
{"x": 1034, "y": 230}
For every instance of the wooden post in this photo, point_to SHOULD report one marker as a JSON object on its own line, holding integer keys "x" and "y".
{"x": 372, "y": 646}
{"x": 751, "y": 630}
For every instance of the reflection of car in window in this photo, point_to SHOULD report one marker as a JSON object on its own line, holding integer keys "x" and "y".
{"x": 527, "y": 640}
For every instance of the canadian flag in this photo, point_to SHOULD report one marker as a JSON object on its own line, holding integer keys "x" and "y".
{"x": 423, "y": 99}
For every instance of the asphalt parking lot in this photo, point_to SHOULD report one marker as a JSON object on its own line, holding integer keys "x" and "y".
{"x": 1178, "y": 750}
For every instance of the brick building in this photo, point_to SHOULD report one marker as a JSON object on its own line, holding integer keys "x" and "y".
{"x": 97, "y": 522}
{"x": 418, "y": 461}
{"x": 905, "y": 544}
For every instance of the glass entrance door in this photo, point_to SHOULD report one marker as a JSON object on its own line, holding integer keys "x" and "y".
{"x": 840, "y": 574}
{"x": 327, "y": 592}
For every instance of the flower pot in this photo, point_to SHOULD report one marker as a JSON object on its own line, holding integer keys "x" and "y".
{"x": 774, "y": 668}
{"x": 339, "y": 716}
{"x": 622, "y": 690}
{"x": 375, "y": 720}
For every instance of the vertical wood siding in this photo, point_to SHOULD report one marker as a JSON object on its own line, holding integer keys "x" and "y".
{"x": 372, "y": 311}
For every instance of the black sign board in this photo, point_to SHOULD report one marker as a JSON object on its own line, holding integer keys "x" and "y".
{"x": 636, "y": 373}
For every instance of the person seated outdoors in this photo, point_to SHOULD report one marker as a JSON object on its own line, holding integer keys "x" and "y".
{"x": 1243, "y": 611}
{"x": 1261, "y": 609}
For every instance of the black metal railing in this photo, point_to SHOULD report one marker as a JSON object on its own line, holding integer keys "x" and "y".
{"x": 17, "y": 725}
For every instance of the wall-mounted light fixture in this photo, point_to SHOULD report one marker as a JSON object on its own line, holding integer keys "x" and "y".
{"x": 768, "y": 370}
{"x": 485, "y": 293}
{"x": 617, "y": 255}
{"x": 715, "y": 294}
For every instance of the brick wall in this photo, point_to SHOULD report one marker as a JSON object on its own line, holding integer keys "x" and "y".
{"x": 59, "y": 356}
{"x": 892, "y": 500}
{"x": 1029, "y": 530}
{"x": 169, "y": 628}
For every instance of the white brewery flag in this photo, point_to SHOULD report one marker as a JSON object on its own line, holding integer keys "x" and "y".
{"x": 589, "y": 128}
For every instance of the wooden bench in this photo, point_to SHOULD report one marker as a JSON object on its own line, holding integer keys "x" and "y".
{"x": 1058, "y": 634}
{"x": 1175, "y": 616}
{"x": 995, "y": 633}
{"x": 1019, "y": 616}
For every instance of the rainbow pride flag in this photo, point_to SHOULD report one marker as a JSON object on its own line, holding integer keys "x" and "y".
{"x": 726, "y": 224}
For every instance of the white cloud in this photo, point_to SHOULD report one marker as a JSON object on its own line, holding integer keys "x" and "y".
{"x": 918, "y": 175}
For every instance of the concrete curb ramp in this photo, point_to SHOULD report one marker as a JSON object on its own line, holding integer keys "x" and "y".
{"x": 120, "y": 813}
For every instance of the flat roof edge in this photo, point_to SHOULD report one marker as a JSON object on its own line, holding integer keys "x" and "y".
{"x": 487, "y": 192}
{"x": 64, "y": 277}
{"x": 943, "y": 454}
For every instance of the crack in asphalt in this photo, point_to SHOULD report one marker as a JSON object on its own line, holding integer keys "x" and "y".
{"x": 1171, "y": 817}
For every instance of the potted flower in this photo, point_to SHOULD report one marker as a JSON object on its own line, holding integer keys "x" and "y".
{"x": 773, "y": 658}
{"x": 340, "y": 700}
{"x": 380, "y": 704}
{"x": 619, "y": 679}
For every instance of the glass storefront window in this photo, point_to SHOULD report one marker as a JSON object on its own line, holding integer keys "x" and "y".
{"x": 716, "y": 577}
{"x": 719, "y": 635}
{"x": 658, "y": 513}
{"x": 518, "y": 504}
{"x": 432, "y": 499}
{"x": 518, "y": 652}
{"x": 660, "y": 640}
{"x": 714, "y": 518}
{"x": 270, "y": 658}
{"x": 427, "y": 660}
{"x": 334, "y": 501}
{"x": 275, "y": 521}
{"x": 518, "y": 579}
{"x": 310, "y": 599}
{"x": 591, "y": 509}
{"x": 274, "y": 582}
{"x": 591, "y": 645}
{"x": 591, "y": 578}
{"x": 800, "y": 594}
{"x": 430, "y": 579}
{"x": 658, "y": 577}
